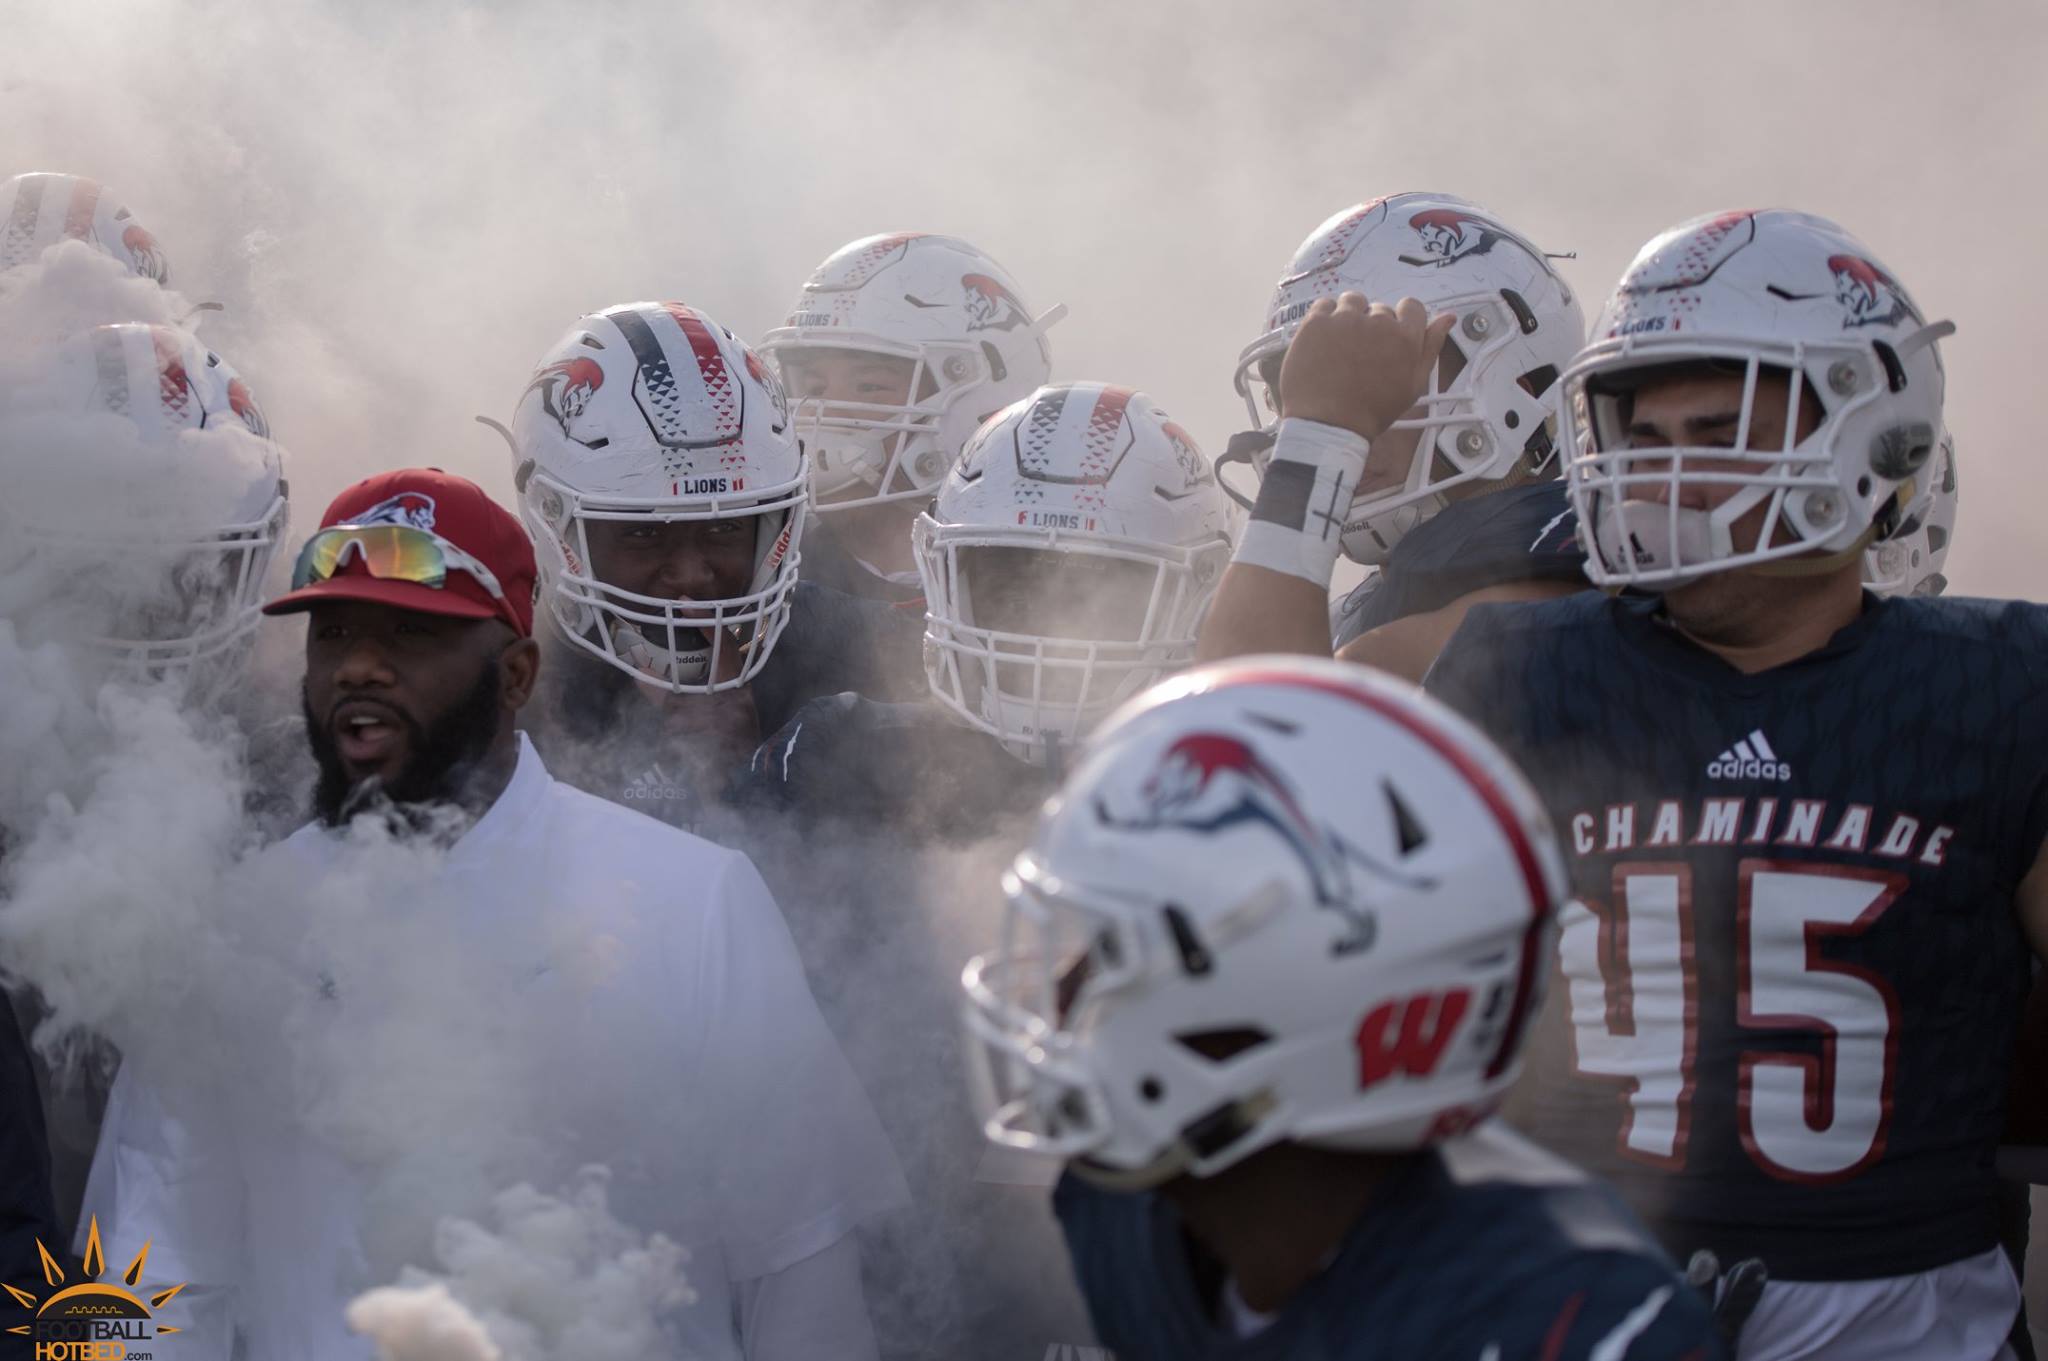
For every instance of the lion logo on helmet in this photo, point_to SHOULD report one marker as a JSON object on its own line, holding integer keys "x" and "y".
{"x": 765, "y": 376}
{"x": 1868, "y": 295}
{"x": 566, "y": 388}
{"x": 143, "y": 251}
{"x": 243, "y": 403}
{"x": 1207, "y": 782}
{"x": 990, "y": 306}
{"x": 1450, "y": 234}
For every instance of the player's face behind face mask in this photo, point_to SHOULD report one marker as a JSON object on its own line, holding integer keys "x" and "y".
{"x": 1056, "y": 598}
{"x": 398, "y": 704}
{"x": 676, "y": 559}
{"x": 836, "y": 386}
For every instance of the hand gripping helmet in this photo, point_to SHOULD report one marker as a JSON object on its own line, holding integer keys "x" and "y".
{"x": 653, "y": 412}
{"x": 1082, "y": 476}
{"x": 1754, "y": 293}
{"x": 1281, "y": 898}
{"x": 934, "y": 303}
{"x": 1910, "y": 561}
{"x": 146, "y": 499}
{"x": 39, "y": 210}
{"x": 1489, "y": 414}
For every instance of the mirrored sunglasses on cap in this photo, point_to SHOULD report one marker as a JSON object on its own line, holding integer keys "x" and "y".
{"x": 389, "y": 553}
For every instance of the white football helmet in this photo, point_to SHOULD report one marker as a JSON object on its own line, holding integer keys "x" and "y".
{"x": 38, "y": 210}
{"x": 1075, "y": 471}
{"x": 1756, "y": 292}
{"x": 145, "y": 499}
{"x": 1910, "y": 561}
{"x": 1281, "y": 898}
{"x": 653, "y": 411}
{"x": 936, "y": 303}
{"x": 1489, "y": 414}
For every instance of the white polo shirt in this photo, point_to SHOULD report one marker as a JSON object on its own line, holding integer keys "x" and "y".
{"x": 690, "y": 1059}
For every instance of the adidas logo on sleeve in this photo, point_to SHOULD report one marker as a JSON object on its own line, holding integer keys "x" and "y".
{"x": 1749, "y": 759}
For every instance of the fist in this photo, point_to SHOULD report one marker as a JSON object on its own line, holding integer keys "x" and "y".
{"x": 1360, "y": 365}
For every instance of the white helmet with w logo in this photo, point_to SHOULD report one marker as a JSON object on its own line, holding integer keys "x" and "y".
{"x": 652, "y": 413}
{"x": 1279, "y": 899}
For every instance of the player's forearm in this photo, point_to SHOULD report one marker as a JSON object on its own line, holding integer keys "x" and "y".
{"x": 1260, "y": 610}
{"x": 1275, "y": 595}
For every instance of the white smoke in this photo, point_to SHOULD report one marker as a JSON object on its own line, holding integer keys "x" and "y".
{"x": 400, "y": 207}
{"x": 550, "y": 1279}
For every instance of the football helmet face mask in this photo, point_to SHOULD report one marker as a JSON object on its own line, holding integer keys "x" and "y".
{"x": 948, "y": 326}
{"x": 1910, "y": 562}
{"x": 156, "y": 507}
{"x": 41, "y": 209}
{"x": 1067, "y": 563}
{"x": 1489, "y": 413}
{"x": 652, "y": 413}
{"x": 1772, "y": 295}
{"x": 1279, "y": 899}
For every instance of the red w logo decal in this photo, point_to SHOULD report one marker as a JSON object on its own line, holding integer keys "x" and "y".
{"x": 1408, "y": 1036}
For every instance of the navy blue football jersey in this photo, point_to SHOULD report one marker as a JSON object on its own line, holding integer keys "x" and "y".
{"x": 597, "y": 732}
{"x": 827, "y": 563}
{"x": 913, "y": 768}
{"x": 27, "y": 1213}
{"x": 1790, "y": 989}
{"x": 1480, "y": 1251}
{"x": 1525, "y": 533}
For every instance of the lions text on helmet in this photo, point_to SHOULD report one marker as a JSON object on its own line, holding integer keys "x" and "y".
{"x": 1066, "y": 563}
{"x": 659, "y": 472}
{"x": 1487, "y": 417}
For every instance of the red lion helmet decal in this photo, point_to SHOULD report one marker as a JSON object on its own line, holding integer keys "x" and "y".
{"x": 1451, "y": 234}
{"x": 1868, "y": 295}
{"x": 144, "y": 251}
{"x": 244, "y": 403}
{"x": 989, "y": 305}
{"x": 1207, "y": 782}
{"x": 566, "y": 389}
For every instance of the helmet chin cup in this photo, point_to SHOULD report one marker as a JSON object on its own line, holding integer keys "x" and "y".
{"x": 1651, "y": 537}
{"x": 679, "y": 667}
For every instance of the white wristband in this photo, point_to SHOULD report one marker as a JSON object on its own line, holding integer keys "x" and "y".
{"x": 1297, "y": 523}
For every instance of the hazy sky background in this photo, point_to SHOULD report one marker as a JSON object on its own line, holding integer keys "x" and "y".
{"x": 403, "y": 204}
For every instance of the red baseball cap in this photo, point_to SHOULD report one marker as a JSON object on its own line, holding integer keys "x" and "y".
{"x": 451, "y": 508}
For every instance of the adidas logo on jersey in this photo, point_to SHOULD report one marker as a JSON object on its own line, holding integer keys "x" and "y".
{"x": 1749, "y": 759}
